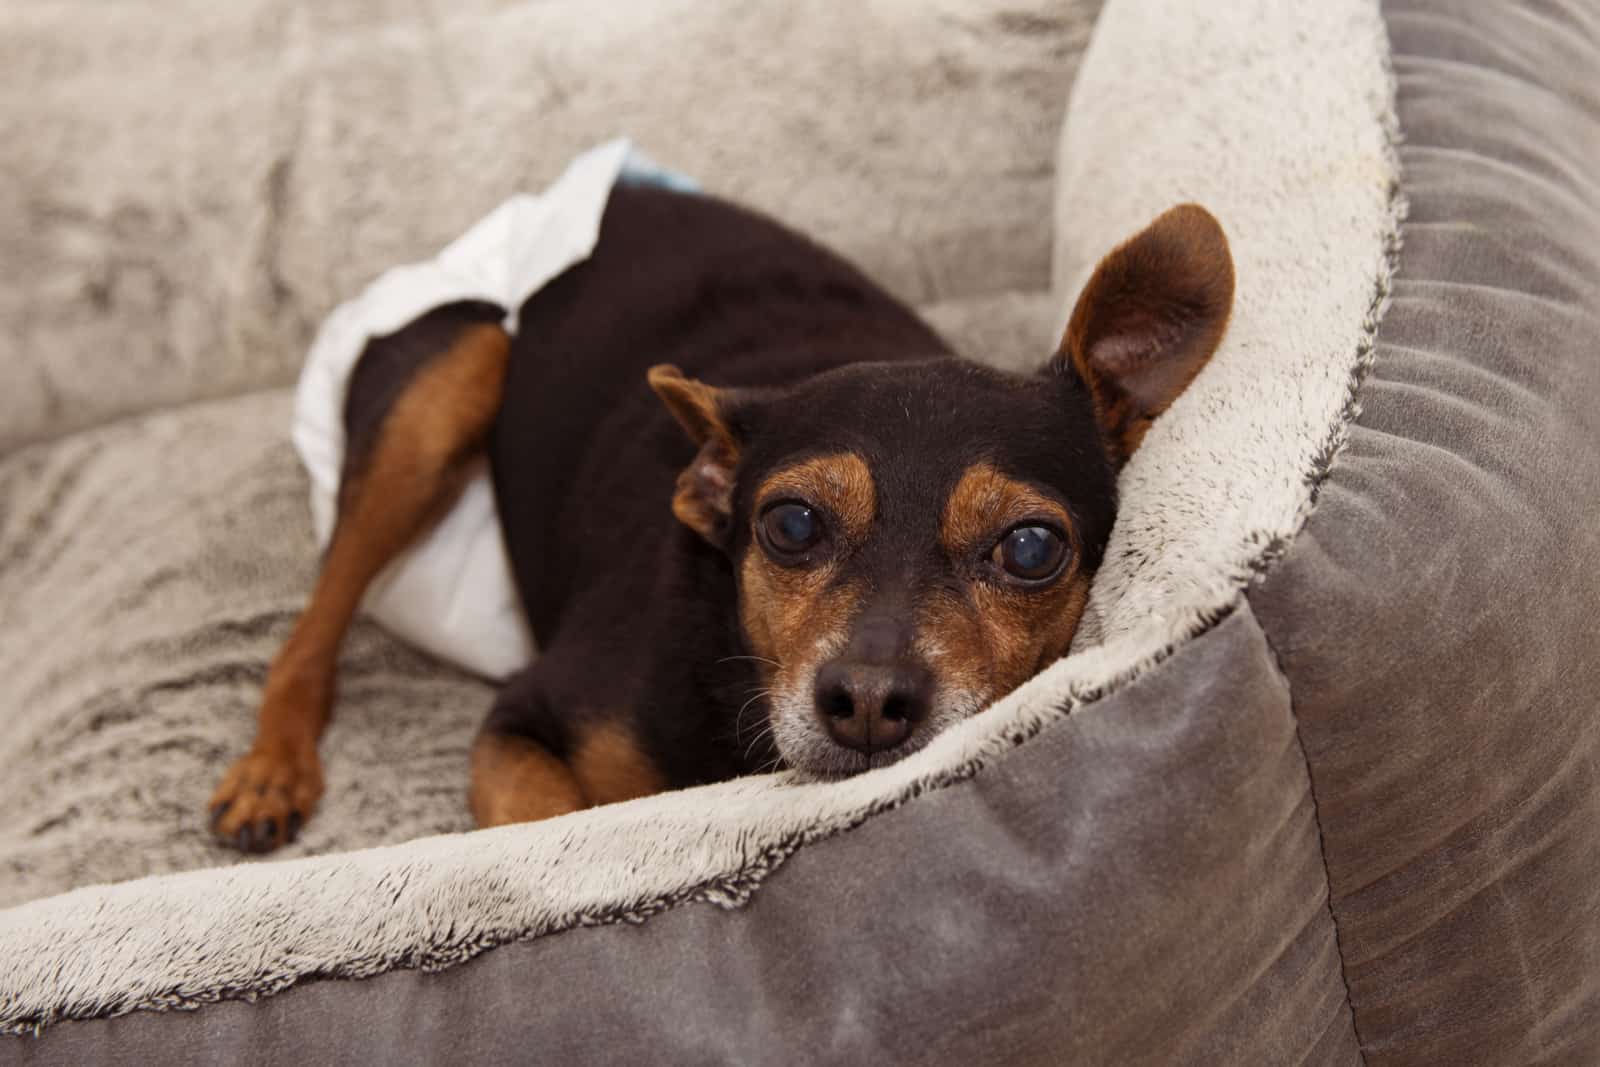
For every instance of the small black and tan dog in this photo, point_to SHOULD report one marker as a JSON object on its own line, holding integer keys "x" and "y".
{"x": 849, "y": 541}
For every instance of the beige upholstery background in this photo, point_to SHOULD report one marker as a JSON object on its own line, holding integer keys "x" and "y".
{"x": 187, "y": 186}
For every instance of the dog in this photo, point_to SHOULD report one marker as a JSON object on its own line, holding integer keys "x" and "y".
{"x": 758, "y": 514}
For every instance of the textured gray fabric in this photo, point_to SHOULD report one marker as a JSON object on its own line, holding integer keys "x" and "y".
{"x": 148, "y": 572}
{"x": 187, "y": 187}
{"x": 1142, "y": 883}
{"x": 1436, "y": 619}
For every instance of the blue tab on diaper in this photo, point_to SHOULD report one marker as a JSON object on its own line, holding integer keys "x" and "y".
{"x": 640, "y": 169}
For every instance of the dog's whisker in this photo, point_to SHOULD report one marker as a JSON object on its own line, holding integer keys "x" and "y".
{"x": 774, "y": 664}
{"x": 738, "y": 719}
{"x": 761, "y": 736}
{"x": 766, "y": 732}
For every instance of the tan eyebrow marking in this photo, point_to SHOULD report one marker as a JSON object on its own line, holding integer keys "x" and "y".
{"x": 840, "y": 482}
{"x": 985, "y": 501}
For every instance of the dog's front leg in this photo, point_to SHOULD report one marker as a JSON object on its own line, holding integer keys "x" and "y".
{"x": 408, "y": 476}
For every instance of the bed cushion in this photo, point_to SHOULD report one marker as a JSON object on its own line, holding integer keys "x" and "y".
{"x": 187, "y": 190}
{"x": 1335, "y": 806}
{"x": 150, "y": 570}
{"x": 1451, "y": 716}
{"x": 217, "y": 935}
{"x": 1162, "y": 902}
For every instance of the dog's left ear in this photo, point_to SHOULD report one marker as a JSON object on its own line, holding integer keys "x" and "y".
{"x": 704, "y": 498}
{"x": 1151, "y": 316}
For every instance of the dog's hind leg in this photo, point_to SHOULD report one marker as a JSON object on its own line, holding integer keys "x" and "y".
{"x": 420, "y": 407}
{"x": 518, "y": 773}
{"x": 538, "y": 756}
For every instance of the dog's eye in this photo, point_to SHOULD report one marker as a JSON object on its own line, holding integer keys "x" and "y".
{"x": 791, "y": 528}
{"x": 1031, "y": 553}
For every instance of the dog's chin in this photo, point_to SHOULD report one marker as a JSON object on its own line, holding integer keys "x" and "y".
{"x": 812, "y": 755}
{"x": 822, "y": 760}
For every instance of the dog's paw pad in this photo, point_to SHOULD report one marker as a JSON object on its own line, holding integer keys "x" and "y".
{"x": 264, "y": 799}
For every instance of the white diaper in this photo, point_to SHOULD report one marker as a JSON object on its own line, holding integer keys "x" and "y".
{"x": 452, "y": 593}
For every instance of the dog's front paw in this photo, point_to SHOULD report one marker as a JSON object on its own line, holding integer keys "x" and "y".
{"x": 265, "y": 798}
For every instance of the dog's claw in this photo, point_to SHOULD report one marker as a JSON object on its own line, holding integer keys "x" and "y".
{"x": 265, "y": 798}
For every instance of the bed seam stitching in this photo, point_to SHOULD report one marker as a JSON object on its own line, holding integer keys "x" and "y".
{"x": 1322, "y": 840}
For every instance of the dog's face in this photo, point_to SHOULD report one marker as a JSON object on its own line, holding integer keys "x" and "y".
{"x": 912, "y": 540}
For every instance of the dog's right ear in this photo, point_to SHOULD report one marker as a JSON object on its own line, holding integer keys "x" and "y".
{"x": 704, "y": 498}
{"x": 1148, "y": 320}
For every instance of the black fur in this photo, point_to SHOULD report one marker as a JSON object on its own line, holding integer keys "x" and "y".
{"x": 634, "y": 614}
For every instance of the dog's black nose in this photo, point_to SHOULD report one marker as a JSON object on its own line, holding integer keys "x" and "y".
{"x": 871, "y": 708}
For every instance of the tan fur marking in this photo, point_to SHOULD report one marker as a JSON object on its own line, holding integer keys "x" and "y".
{"x": 787, "y": 611}
{"x": 703, "y": 496}
{"x": 992, "y": 641}
{"x": 791, "y": 616}
{"x": 517, "y": 780}
{"x": 611, "y": 767}
{"x": 790, "y": 613}
{"x": 996, "y": 636}
{"x": 985, "y": 502}
{"x": 840, "y": 483}
{"x": 417, "y": 468}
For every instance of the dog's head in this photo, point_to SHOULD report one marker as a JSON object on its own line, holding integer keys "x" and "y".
{"x": 912, "y": 540}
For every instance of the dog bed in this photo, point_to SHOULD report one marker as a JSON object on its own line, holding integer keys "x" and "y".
{"x": 1321, "y": 782}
